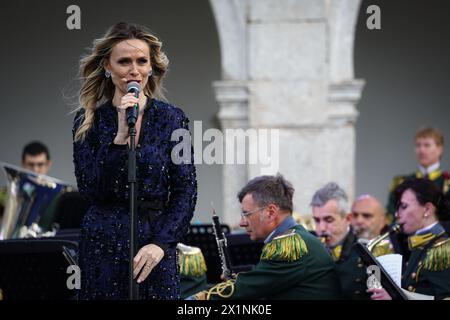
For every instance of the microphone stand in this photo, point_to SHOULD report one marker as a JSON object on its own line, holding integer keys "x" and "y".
{"x": 133, "y": 285}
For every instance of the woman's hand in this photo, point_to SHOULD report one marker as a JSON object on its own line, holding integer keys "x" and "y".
{"x": 127, "y": 101}
{"x": 379, "y": 294}
{"x": 146, "y": 259}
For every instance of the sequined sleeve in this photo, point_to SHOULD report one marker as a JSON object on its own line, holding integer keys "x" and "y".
{"x": 97, "y": 163}
{"x": 183, "y": 195}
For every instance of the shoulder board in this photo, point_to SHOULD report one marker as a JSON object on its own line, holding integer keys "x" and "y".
{"x": 286, "y": 247}
{"x": 192, "y": 262}
{"x": 438, "y": 256}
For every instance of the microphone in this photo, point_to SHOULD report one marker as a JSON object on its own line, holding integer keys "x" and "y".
{"x": 133, "y": 112}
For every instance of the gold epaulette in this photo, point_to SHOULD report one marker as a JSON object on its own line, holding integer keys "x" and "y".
{"x": 446, "y": 186}
{"x": 396, "y": 181}
{"x": 287, "y": 247}
{"x": 382, "y": 248}
{"x": 192, "y": 262}
{"x": 438, "y": 256}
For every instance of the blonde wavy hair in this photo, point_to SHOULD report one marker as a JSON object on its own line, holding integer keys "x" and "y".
{"x": 96, "y": 88}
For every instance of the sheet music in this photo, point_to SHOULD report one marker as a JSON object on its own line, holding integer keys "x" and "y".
{"x": 392, "y": 263}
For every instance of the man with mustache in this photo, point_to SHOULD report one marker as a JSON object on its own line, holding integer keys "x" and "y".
{"x": 332, "y": 219}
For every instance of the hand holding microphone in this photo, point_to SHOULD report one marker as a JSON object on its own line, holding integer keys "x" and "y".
{"x": 128, "y": 112}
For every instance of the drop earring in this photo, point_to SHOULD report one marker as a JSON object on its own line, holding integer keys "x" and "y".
{"x": 107, "y": 74}
{"x": 150, "y": 73}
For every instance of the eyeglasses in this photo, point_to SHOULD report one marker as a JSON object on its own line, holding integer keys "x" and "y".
{"x": 244, "y": 215}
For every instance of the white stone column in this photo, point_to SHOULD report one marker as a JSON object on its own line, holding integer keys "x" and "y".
{"x": 295, "y": 58}
{"x": 233, "y": 100}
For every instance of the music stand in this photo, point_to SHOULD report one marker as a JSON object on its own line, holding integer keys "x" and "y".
{"x": 386, "y": 281}
{"x": 244, "y": 252}
{"x": 35, "y": 269}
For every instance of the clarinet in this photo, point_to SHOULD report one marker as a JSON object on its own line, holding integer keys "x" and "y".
{"x": 221, "y": 241}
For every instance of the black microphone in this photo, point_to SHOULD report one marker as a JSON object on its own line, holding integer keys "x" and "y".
{"x": 133, "y": 112}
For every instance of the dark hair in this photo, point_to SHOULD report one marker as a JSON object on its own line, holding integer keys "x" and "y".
{"x": 426, "y": 191}
{"x": 35, "y": 148}
{"x": 270, "y": 189}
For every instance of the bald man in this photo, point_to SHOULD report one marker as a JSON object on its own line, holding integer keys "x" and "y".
{"x": 368, "y": 217}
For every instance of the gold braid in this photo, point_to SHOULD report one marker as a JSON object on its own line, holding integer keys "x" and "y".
{"x": 220, "y": 288}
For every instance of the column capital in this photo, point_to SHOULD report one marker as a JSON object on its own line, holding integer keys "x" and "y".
{"x": 342, "y": 98}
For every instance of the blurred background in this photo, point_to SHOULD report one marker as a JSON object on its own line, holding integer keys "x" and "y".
{"x": 405, "y": 66}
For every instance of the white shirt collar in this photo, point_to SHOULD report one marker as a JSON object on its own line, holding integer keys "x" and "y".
{"x": 427, "y": 228}
{"x": 431, "y": 168}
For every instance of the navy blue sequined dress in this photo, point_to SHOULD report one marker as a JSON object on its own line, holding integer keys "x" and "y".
{"x": 166, "y": 195}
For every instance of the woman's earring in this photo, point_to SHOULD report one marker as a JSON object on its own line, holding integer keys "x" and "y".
{"x": 150, "y": 73}
{"x": 107, "y": 74}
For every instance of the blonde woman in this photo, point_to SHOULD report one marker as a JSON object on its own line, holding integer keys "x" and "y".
{"x": 167, "y": 190}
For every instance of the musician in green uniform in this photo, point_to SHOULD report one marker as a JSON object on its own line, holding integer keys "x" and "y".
{"x": 420, "y": 210}
{"x": 429, "y": 147}
{"x": 332, "y": 219}
{"x": 293, "y": 265}
{"x": 192, "y": 268}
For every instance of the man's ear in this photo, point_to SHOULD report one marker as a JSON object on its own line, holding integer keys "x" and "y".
{"x": 273, "y": 210}
{"x": 349, "y": 217}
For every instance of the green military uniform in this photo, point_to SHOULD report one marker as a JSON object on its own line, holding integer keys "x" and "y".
{"x": 192, "y": 268}
{"x": 440, "y": 178}
{"x": 293, "y": 265}
{"x": 428, "y": 268}
{"x": 351, "y": 270}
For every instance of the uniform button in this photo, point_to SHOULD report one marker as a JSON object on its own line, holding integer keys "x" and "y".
{"x": 357, "y": 292}
{"x": 360, "y": 265}
{"x": 413, "y": 275}
{"x": 410, "y": 288}
{"x": 358, "y": 280}
{"x": 406, "y": 263}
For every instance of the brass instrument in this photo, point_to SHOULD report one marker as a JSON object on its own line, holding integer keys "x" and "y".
{"x": 305, "y": 220}
{"x": 323, "y": 240}
{"x": 382, "y": 237}
{"x": 27, "y": 199}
